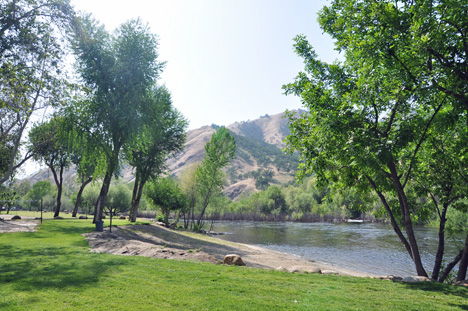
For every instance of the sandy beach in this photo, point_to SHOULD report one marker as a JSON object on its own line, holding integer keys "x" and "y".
{"x": 159, "y": 242}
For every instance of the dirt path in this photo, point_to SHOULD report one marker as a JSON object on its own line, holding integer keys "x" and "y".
{"x": 158, "y": 242}
{"x": 23, "y": 225}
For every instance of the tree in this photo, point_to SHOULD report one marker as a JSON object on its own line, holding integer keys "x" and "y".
{"x": 118, "y": 201}
{"x": 31, "y": 69}
{"x": 119, "y": 70}
{"x": 369, "y": 116}
{"x": 166, "y": 194}
{"x": 219, "y": 151}
{"x": 189, "y": 186}
{"x": 363, "y": 129}
{"x": 162, "y": 134}
{"x": 425, "y": 44}
{"x": 7, "y": 197}
{"x": 38, "y": 191}
{"x": 45, "y": 144}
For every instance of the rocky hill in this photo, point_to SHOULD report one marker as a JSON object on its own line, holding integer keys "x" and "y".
{"x": 259, "y": 160}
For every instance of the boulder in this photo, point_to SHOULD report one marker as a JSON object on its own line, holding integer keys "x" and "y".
{"x": 414, "y": 279}
{"x": 83, "y": 217}
{"x": 15, "y": 217}
{"x": 304, "y": 269}
{"x": 233, "y": 259}
{"x": 389, "y": 277}
{"x": 461, "y": 283}
{"x": 328, "y": 272}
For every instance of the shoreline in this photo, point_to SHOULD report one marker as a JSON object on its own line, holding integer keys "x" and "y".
{"x": 156, "y": 241}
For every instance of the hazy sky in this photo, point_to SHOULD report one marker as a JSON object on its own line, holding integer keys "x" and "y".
{"x": 226, "y": 59}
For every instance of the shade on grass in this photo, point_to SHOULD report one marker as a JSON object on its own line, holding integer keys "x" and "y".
{"x": 52, "y": 269}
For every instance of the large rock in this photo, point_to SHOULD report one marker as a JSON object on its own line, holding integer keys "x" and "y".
{"x": 462, "y": 283}
{"x": 304, "y": 269}
{"x": 233, "y": 259}
{"x": 414, "y": 279}
{"x": 328, "y": 272}
{"x": 15, "y": 217}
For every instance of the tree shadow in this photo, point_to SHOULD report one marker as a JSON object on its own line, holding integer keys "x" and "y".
{"x": 445, "y": 289}
{"x": 160, "y": 236}
{"x": 51, "y": 267}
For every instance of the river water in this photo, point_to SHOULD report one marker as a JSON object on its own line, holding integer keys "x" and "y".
{"x": 367, "y": 247}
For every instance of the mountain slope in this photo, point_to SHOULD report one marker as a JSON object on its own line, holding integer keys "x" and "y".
{"x": 259, "y": 160}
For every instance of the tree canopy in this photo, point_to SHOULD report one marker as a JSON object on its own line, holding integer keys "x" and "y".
{"x": 32, "y": 74}
{"x": 120, "y": 70}
{"x": 368, "y": 118}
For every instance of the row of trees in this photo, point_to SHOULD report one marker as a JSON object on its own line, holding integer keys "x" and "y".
{"x": 392, "y": 118}
{"x": 114, "y": 112}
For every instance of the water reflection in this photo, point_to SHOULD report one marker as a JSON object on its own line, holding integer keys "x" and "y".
{"x": 367, "y": 247}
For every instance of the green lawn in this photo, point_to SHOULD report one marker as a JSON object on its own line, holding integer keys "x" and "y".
{"x": 51, "y": 269}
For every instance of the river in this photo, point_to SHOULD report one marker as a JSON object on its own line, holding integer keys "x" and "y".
{"x": 366, "y": 247}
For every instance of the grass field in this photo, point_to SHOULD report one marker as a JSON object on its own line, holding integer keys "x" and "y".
{"x": 52, "y": 269}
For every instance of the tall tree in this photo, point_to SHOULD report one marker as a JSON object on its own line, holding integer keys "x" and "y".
{"x": 31, "y": 69}
{"x": 370, "y": 115}
{"x": 424, "y": 42}
{"x": 219, "y": 152}
{"x": 119, "y": 70}
{"x": 362, "y": 128}
{"x": 46, "y": 146}
{"x": 162, "y": 134}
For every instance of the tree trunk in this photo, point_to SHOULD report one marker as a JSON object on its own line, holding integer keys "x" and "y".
{"x": 440, "y": 249}
{"x": 463, "y": 262}
{"x": 405, "y": 210}
{"x": 59, "y": 182}
{"x": 393, "y": 222}
{"x": 101, "y": 201}
{"x": 78, "y": 197}
{"x": 136, "y": 197}
{"x": 450, "y": 267}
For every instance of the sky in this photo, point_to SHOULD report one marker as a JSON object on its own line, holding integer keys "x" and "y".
{"x": 226, "y": 59}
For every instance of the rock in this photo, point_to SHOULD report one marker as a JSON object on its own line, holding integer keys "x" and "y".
{"x": 461, "y": 283}
{"x": 15, "y": 217}
{"x": 58, "y": 217}
{"x": 122, "y": 217}
{"x": 304, "y": 269}
{"x": 233, "y": 259}
{"x": 414, "y": 279}
{"x": 328, "y": 272}
{"x": 83, "y": 217}
{"x": 389, "y": 277}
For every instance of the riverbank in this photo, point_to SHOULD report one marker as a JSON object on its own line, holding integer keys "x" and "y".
{"x": 159, "y": 242}
{"x": 53, "y": 269}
